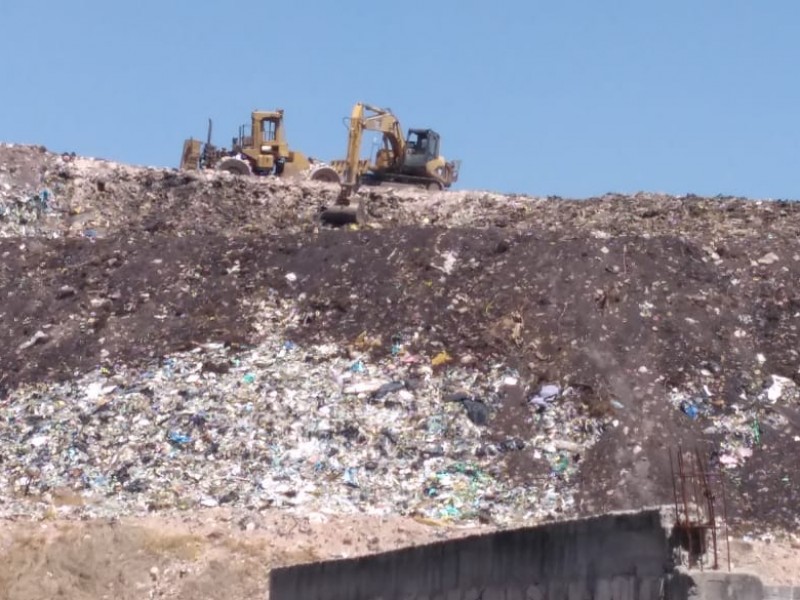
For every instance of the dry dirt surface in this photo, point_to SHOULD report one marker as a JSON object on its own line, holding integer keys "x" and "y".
{"x": 626, "y": 300}
{"x": 221, "y": 555}
{"x": 214, "y": 556}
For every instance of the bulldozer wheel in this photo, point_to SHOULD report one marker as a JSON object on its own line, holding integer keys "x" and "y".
{"x": 326, "y": 174}
{"x": 235, "y": 166}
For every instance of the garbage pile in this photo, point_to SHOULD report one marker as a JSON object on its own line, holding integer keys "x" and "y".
{"x": 105, "y": 196}
{"x": 739, "y": 425}
{"x": 25, "y": 200}
{"x": 464, "y": 356}
{"x": 20, "y": 212}
{"x": 319, "y": 428}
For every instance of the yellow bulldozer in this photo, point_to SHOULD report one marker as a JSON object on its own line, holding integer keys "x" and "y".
{"x": 411, "y": 160}
{"x": 263, "y": 152}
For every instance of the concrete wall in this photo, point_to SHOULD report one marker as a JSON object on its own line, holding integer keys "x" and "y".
{"x": 720, "y": 585}
{"x": 726, "y": 586}
{"x": 781, "y": 592}
{"x": 624, "y": 556}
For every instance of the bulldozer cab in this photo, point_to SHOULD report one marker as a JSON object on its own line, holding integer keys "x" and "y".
{"x": 269, "y": 132}
{"x": 266, "y": 146}
{"x": 265, "y": 136}
{"x": 422, "y": 146}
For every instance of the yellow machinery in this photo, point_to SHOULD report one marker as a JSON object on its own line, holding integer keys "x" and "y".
{"x": 413, "y": 160}
{"x": 263, "y": 152}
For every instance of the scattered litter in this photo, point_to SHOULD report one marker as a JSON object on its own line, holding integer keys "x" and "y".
{"x": 546, "y": 394}
{"x": 230, "y": 444}
{"x": 179, "y": 438}
{"x": 441, "y": 359}
{"x": 690, "y": 410}
{"x": 259, "y": 421}
{"x": 388, "y": 388}
{"x": 40, "y": 337}
{"x": 477, "y": 411}
{"x": 768, "y": 259}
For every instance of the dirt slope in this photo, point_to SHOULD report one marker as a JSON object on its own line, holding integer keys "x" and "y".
{"x": 634, "y": 304}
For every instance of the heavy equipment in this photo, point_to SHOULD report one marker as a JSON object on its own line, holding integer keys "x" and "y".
{"x": 264, "y": 151}
{"x": 413, "y": 160}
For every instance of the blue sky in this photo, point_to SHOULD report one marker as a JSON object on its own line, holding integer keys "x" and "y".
{"x": 573, "y": 98}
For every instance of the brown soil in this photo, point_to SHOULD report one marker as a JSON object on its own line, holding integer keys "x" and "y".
{"x": 221, "y": 555}
{"x": 557, "y": 309}
{"x": 206, "y": 556}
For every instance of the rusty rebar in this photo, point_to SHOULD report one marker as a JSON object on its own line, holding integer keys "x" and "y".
{"x": 697, "y": 481}
{"x": 725, "y": 516}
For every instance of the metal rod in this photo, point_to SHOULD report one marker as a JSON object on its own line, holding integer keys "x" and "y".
{"x": 725, "y": 516}
{"x": 712, "y": 517}
{"x": 685, "y": 502}
{"x": 674, "y": 485}
{"x": 700, "y": 515}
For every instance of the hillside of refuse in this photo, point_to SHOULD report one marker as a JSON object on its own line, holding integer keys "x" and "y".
{"x": 175, "y": 341}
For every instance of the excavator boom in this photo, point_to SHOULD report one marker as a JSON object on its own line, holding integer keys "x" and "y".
{"x": 401, "y": 161}
{"x": 366, "y": 117}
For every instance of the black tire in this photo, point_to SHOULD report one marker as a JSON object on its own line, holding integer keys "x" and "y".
{"x": 435, "y": 186}
{"x": 325, "y": 175}
{"x": 234, "y": 166}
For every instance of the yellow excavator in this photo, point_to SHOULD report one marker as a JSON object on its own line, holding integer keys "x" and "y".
{"x": 411, "y": 160}
{"x": 264, "y": 151}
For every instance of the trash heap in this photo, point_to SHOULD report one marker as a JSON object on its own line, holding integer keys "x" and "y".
{"x": 738, "y": 426}
{"x": 318, "y": 428}
{"x": 464, "y": 356}
{"x": 24, "y": 200}
{"x": 19, "y": 212}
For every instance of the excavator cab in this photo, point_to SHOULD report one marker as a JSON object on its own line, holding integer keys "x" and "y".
{"x": 422, "y": 146}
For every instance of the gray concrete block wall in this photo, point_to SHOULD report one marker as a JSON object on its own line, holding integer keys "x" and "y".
{"x": 781, "y": 592}
{"x": 622, "y": 556}
{"x": 712, "y": 585}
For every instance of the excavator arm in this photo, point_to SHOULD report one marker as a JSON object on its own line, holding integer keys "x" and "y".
{"x": 365, "y": 117}
{"x": 421, "y": 166}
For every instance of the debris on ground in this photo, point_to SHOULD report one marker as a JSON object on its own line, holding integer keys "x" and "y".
{"x": 183, "y": 340}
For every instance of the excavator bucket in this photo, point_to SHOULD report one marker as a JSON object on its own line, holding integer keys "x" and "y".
{"x": 339, "y": 216}
{"x": 346, "y": 211}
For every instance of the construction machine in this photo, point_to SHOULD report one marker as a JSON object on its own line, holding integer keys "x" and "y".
{"x": 264, "y": 151}
{"x": 411, "y": 160}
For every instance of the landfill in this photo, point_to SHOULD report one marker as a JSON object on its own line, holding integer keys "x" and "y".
{"x": 283, "y": 425}
{"x": 182, "y": 342}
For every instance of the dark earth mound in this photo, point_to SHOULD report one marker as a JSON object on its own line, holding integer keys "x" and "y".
{"x": 622, "y": 319}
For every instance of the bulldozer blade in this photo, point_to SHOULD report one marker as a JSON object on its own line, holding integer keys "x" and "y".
{"x": 190, "y": 157}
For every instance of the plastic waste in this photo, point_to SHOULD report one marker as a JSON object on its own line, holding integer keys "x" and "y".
{"x": 690, "y": 410}
{"x": 546, "y": 394}
{"x": 179, "y": 438}
{"x": 350, "y": 476}
{"x": 441, "y": 359}
{"x": 388, "y": 388}
{"x": 477, "y": 411}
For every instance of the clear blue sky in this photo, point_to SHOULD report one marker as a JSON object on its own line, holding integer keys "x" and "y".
{"x": 573, "y": 97}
